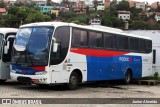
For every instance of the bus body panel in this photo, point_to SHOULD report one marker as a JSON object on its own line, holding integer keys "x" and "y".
{"x": 29, "y": 72}
{"x": 146, "y": 64}
{"x": 72, "y": 62}
{"x": 111, "y": 67}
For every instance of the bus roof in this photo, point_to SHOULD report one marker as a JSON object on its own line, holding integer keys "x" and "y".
{"x": 7, "y": 30}
{"x": 96, "y": 28}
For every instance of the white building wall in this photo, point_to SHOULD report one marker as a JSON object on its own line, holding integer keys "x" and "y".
{"x": 100, "y": 7}
{"x": 157, "y": 17}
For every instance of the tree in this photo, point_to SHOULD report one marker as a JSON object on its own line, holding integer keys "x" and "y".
{"x": 68, "y": 15}
{"x": 135, "y": 13}
{"x": 2, "y": 5}
{"x": 123, "y": 5}
{"x": 113, "y": 3}
{"x": 16, "y": 15}
{"x": 139, "y": 24}
{"x": 53, "y": 16}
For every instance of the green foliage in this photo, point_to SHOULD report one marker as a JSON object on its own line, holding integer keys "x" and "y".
{"x": 156, "y": 76}
{"x": 139, "y": 24}
{"x": 2, "y": 5}
{"x": 21, "y": 14}
{"x": 68, "y": 15}
{"x": 123, "y": 5}
{"x": 53, "y": 16}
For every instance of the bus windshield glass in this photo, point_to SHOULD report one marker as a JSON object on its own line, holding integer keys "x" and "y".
{"x": 36, "y": 43}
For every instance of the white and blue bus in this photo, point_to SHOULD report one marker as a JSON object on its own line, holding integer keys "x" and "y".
{"x": 58, "y": 52}
{"x": 7, "y": 36}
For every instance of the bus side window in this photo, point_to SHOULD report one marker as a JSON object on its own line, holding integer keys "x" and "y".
{"x": 110, "y": 41}
{"x": 79, "y": 38}
{"x": 148, "y": 46}
{"x": 142, "y": 45}
{"x": 95, "y": 39}
{"x": 134, "y": 45}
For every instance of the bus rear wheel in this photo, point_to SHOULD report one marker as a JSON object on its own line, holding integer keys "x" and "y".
{"x": 73, "y": 81}
{"x": 128, "y": 77}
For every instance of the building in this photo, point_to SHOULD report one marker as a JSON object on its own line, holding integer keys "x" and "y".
{"x": 24, "y": 1}
{"x": 95, "y": 21}
{"x": 56, "y": 11}
{"x": 157, "y": 16}
{"x": 100, "y": 7}
{"x": 2, "y": 12}
{"x": 124, "y": 15}
{"x": 79, "y": 8}
{"x": 63, "y": 9}
{"x": 40, "y": 2}
{"x": 10, "y": 1}
{"x": 154, "y": 5}
{"x": 107, "y": 3}
{"x": 46, "y": 9}
{"x": 138, "y": 5}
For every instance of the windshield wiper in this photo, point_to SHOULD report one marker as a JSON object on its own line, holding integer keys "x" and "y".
{"x": 18, "y": 59}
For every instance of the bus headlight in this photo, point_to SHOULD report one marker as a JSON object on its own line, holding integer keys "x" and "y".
{"x": 41, "y": 73}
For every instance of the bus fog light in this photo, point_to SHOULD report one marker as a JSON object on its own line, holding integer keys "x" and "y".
{"x": 41, "y": 73}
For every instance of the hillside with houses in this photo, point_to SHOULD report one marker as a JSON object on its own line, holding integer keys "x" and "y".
{"x": 124, "y": 14}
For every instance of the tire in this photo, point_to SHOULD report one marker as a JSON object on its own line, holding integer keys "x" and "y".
{"x": 128, "y": 77}
{"x": 73, "y": 81}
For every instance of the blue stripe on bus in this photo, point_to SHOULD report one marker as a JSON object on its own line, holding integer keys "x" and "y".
{"x": 112, "y": 68}
{"x": 24, "y": 70}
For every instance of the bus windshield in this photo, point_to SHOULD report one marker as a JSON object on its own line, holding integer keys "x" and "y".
{"x": 35, "y": 42}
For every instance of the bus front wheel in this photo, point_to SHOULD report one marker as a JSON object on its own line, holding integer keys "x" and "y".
{"x": 73, "y": 81}
{"x": 128, "y": 77}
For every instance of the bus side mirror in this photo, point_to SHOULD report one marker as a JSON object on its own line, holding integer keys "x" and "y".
{"x": 55, "y": 47}
{"x": 6, "y": 47}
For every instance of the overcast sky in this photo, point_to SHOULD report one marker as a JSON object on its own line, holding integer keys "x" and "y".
{"x": 149, "y": 1}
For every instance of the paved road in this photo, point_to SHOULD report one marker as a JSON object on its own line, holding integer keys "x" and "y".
{"x": 12, "y": 89}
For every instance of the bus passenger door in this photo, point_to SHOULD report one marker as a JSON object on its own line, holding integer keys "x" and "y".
{"x": 6, "y": 55}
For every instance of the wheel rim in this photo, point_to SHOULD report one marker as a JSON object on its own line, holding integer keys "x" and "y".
{"x": 128, "y": 77}
{"x": 73, "y": 80}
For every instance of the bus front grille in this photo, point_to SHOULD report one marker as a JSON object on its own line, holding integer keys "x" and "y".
{"x": 24, "y": 79}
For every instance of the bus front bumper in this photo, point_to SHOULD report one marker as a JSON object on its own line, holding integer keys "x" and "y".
{"x": 37, "y": 79}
